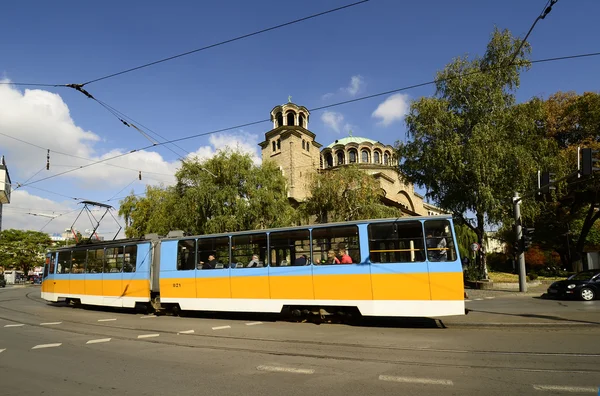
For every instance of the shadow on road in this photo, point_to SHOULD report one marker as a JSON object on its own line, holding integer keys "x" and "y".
{"x": 538, "y": 316}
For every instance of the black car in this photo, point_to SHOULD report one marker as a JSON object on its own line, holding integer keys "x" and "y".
{"x": 584, "y": 285}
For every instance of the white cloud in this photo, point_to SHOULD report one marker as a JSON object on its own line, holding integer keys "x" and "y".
{"x": 333, "y": 120}
{"x": 327, "y": 96}
{"x": 356, "y": 83}
{"x": 392, "y": 109}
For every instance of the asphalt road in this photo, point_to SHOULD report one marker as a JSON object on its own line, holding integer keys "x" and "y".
{"x": 52, "y": 349}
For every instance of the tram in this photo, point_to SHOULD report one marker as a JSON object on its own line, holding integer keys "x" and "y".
{"x": 399, "y": 267}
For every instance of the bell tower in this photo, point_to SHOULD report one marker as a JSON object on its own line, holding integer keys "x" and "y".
{"x": 293, "y": 147}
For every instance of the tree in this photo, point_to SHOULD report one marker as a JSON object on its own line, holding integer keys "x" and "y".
{"x": 225, "y": 193}
{"x": 23, "y": 249}
{"x": 347, "y": 193}
{"x": 471, "y": 145}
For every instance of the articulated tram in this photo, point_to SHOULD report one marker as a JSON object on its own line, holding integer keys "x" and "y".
{"x": 386, "y": 267}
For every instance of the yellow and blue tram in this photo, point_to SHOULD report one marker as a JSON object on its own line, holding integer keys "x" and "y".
{"x": 386, "y": 267}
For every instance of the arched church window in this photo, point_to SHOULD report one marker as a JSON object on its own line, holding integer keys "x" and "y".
{"x": 301, "y": 121}
{"x": 386, "y": 158}
{"x": 340, "y": 158}
{"x": 365, "y": 156}
{"x": 274, "y": 146}
{"x": 278, "y": 144}
{"x": 328, "y": 160}
{"x": 377, "y": 157}
{"x": 291, "y": 118}
{"x": 303, "y": 145}
{"x": 353, "y": 156}
{"x": 279, "y": 119}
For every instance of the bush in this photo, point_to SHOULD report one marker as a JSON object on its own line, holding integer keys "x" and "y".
{"x": 499, "y": 262}
{"x": 532, "y": 276}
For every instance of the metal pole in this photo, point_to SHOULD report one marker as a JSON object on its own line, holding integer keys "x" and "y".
{"x": 519, "y": 235}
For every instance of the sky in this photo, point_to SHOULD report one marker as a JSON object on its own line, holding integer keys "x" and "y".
{"x": 374, "y": 47}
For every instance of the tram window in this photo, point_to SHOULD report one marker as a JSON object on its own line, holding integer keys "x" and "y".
{"x": 440, "y": 246}
{"x": 64, "y": 262}
{"x": 249, "y": 251}
{"x": 46, "y": 268}
{"x": 130, "y": 258}
{"x": 396, "y": 242}
{"x": 95, "y": 261}
{"x": 186, "y": 255}
{"x": 289, "y": 248}
{"x": 52, "y": 262}
{"x": 113, "y": 260}
{"x": 216, "y": 247}
{"x": 78, "y": 260}
{"x": 331, "y": 243}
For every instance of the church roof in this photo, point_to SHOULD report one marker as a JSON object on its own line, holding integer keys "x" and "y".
{"x": 352, "y": 139}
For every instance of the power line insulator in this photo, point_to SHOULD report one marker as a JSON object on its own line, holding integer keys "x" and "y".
{"x": 48, "y": 160}
{"x": 140, "y": 175}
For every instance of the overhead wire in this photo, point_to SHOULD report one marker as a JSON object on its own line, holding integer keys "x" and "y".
{"x": 80, "y": 86}
{"x": 460, "y": 75}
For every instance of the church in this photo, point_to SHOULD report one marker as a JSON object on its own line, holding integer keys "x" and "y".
{"x": 293, "y": 147}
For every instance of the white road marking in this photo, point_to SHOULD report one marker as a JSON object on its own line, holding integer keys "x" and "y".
{"x": 253, "y": 323}
{"x": 221, "y": 327}
{"x": 467, "y": 300}
{"x": 489, "y": 298}
{"x": 148, "y": 335}
{"x": 2, "y": 350}
{"x": 47, "y": 346}
{"x": 285, "y": 370}
{"x": 50, "y": 323}
{"x": 185, "y": 332}
{"x": 14, "y": 325}
{"x": 98, "y": 340}
{"x": 149, "y": 316}
{"x": 414, "y": 380}
{"x": 574, "y": 389}
{"x": 479, "y": 299}
{"x": 106, "y": 320}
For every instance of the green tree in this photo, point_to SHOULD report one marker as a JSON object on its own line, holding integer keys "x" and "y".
{"x": 227, "y": 192}
{"x": 347, "y": 193}
{"x": 23, "y": 249}
{"x": 470, "y": 144}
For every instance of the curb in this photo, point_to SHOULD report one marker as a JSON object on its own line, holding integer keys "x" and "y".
{"x": 517, "y": 324}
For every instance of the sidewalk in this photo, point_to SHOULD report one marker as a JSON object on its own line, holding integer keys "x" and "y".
{"x": 497, "y": 308}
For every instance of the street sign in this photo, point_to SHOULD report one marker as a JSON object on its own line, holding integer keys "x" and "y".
{"x": 475, "y": 247}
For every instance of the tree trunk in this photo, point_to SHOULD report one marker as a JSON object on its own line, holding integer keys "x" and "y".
{"x": 481, "y": 252}
{"x": 590, "y": 219}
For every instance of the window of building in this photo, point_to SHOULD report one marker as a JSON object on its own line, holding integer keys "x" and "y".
{"x": 64, "y": 262}
{"x": 328, "y": 160}
{"x": 130, "y": 258}
{"x": 340, "y": 158}
{"x": 303, "y": 145}
{"x": 396, "y": 242}
{"x": 440, "y": 246}
{"x": 307, "y": 146}
{"x": 365, "y": 156}
{"x": 353, "y": 156}
{"x": 113, "y": 260}
{"x": 213, "y": 253}
{"x": 377, "y": 157}
{"x": 186, "y": 255}
{"x": 78, "y": 259}
{"x": 278, "y": 144}
{"x": 386, "y": 158}
{"x": 274, "y": 145}
{"x": 301, "y": 121}
{"x": 331, "y": 243}
{"x": 291, "y": 118}
{"x": 289, "y": 248}
{"x": 249, "y": 251}
{"x": 279, "y": 119}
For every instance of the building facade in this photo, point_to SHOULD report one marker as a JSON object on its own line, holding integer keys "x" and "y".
{"x": 293, "y": 147}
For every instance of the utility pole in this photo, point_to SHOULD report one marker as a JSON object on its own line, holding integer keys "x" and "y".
{"x": 519, "y": 235}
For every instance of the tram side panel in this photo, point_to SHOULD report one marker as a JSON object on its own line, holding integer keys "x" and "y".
{"x": 177, "y": 283}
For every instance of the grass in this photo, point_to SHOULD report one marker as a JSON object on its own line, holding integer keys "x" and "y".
{"x": 505, "y": 277}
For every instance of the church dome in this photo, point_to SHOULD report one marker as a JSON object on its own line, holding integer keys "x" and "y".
{"x": 352, "y": 139}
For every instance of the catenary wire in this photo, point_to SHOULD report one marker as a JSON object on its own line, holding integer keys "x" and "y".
{"x": 315, "y": 109}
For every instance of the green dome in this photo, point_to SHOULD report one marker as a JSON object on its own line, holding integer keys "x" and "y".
{"x": 352, "y": 139}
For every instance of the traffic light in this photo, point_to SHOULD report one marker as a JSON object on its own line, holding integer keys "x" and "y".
{"x": 543, "y": 185}
{"x": 527, "y": 238}
{"x": 588, "y": 161}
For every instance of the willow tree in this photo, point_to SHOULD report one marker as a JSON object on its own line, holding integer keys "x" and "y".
{"x": 346, "y": 193}
{"x": 470, "y": 144}
{"x": 225, "y": 193}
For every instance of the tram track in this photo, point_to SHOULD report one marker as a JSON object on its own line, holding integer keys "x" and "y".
{"x": 267, "y": 342}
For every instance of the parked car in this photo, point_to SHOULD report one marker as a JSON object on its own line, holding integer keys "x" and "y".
{"x": 584, "y": 285}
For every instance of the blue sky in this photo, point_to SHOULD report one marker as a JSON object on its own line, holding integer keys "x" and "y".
{"x": 373, "y": 47}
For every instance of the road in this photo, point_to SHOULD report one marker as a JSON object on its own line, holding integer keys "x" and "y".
{"x": 52, "y": 349}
